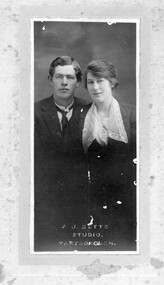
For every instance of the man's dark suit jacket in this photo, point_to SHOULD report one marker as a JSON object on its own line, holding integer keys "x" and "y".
{"x": 55, "y": 182}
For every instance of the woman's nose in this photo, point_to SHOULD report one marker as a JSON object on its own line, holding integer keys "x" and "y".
{"x": 95, "y": 85}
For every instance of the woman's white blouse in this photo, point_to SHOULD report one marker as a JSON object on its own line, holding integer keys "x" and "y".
{"x": 100, "y": 128}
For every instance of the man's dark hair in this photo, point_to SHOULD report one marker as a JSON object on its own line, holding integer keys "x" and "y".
{"x": 65, "y": 60}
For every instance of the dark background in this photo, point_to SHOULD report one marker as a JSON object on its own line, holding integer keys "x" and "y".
{"x": 86, "y": 41}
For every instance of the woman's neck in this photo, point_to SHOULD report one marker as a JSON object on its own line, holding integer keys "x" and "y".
{"x": 104, "y": 108}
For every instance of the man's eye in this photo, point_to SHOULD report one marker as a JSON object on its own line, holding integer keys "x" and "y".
{"x": 70, "y": 77}
{"x": 100, "y": 80}
{"x": 90, "y": 82}
{"x": 58, "y": 76}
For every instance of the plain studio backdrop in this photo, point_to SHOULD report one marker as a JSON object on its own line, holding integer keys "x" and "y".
{"x": 86, "y": 41}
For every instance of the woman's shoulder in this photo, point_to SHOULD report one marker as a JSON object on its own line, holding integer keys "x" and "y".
{"x": 128, "y": 110}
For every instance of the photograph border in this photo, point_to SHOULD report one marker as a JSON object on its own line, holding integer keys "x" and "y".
{"x": 27, "y": 256}
{"x": 32, "y": 201}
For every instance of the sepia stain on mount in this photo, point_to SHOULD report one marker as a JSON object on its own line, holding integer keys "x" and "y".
{"x": 130, "y": 267}
{"x": 152, "y": 177}
{"x": 150, "y": 106}
{"x": 157, "y": 263}
{"x": 2, "y": 275}
{"x": 11, "y": 282}
{"x": 96, "y": 269}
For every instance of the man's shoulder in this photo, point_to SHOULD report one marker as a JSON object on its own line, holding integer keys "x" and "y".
{"x": 43, "y": 104}
{"x": 81, "y": 111}
{"x": 80, "y": 101}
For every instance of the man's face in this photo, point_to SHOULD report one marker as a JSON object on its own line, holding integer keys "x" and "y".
{"x": 64, "y": 82}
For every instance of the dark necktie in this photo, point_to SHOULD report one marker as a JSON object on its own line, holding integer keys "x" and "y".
{"x": 64, "y": 120}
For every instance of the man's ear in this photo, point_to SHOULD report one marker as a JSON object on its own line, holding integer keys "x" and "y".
{"x": 77, "y": 84}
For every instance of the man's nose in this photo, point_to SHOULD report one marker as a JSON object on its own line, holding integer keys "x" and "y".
{"x": 64, "y": 80}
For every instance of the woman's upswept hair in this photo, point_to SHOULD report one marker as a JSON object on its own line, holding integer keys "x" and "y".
{"x": 102, "y": 69}
{"x": 65, "y": 60}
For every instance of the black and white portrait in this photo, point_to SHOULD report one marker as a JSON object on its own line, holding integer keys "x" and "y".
{"x": 85, "y": 139}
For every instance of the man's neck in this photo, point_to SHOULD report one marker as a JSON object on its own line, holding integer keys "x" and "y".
{"x": 63, "y": 102}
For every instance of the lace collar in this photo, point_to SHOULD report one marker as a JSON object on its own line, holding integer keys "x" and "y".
{"x": 100, "y": 129}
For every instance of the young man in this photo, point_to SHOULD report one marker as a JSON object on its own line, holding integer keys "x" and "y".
{"x": 55, "y": 185}
{"x": 65, "y": 75}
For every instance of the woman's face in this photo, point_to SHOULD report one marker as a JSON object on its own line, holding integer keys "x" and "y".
{"x": 99, "y": 89}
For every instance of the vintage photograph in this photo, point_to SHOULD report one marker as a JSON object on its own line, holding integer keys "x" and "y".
{"x": 85, "y": 77}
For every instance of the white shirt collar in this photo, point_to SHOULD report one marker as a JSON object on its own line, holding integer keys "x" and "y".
{"x": 67, "y": 109}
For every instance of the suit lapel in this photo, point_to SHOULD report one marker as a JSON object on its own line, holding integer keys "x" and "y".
{"x": 51, "y": 118}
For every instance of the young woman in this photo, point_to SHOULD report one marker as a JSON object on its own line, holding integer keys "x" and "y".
{"x": 105, "y": 132}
